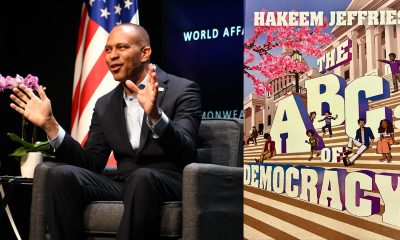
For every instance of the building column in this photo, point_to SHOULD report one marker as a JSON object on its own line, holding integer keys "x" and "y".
{"x": 389, "y": 40}
{"x": 339, "y": 69}
{"x": 369, "y": 40}
{"x": 354, "y": 73}
{"x": 271, "y": 83}
{"x": 389, "y": 46}
{"x": 263, "y": 115}
{"x": 398, "y": 37}
{"x": 253, "y": 115}
{"x": 378, "y": 48}
{"x": 361, "y": 57}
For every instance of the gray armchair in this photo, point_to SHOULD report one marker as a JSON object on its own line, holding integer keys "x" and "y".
{"x": 212, "y": 196}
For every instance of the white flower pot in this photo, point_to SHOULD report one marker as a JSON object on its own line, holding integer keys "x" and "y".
{"x": 29, "y": 162}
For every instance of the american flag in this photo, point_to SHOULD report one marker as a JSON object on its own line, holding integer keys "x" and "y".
{"x": 92, "y": 78}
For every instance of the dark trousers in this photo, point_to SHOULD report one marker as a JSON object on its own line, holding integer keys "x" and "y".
{"x": 254, "y": 139}
{"x": 70, "y": 189}
{"x": 329, "y": 126}
{"x": 395, "y": 79}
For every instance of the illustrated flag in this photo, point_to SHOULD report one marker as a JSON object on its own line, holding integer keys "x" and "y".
{"x": 92, "y": 78}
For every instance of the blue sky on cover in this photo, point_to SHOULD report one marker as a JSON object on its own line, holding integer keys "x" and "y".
{"x": 252, "y": 6}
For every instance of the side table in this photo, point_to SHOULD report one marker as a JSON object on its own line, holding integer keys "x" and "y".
{"x": 11, "y": 181}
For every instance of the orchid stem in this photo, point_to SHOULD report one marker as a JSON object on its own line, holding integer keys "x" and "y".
{"x": 34, "y": 134}
{"x": 23, "y": 128}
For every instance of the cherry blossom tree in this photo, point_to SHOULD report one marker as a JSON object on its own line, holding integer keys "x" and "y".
{"x": 306, "y": 40}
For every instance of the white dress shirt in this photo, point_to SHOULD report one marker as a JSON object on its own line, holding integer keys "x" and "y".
{"x": 362, "y": 135}
{"x": 133, "y": 118}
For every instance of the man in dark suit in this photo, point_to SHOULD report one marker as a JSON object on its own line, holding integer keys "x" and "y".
{"x": 364, "y": 139}
{"x": 150, "y": 121}
{"x": 260, "y": 128}
{"x": 253, "y": 136}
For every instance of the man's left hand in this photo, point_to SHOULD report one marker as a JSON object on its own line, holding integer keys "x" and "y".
{"x": 147, "y": 97}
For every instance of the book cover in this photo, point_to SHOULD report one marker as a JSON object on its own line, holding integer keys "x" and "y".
{"x": 321, "y": 119}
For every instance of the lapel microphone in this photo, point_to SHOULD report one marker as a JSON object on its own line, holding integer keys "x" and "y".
{"x": 139, "y": 65}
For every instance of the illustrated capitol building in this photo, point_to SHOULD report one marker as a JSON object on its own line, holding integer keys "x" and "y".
{"x": 369, "y": 43}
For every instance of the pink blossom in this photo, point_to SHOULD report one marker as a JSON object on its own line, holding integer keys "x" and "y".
{"x": 306, "y": 40}
{"x": 10, "y": 82}
{"x": 2, "y": 83}
{"x": 31, "y": 82}
{"x": 19, "y": 78}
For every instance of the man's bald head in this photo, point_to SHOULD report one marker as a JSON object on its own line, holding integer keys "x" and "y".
{"x": 128, "y": 52}
{"x": 141, "y": 35}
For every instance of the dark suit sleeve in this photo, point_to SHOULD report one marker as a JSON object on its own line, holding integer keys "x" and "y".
{"x": 95, "y": 153}
{"x": 180, "y": 136}
{"x": 371, "y": 134}
{"x": 358, "y": 137}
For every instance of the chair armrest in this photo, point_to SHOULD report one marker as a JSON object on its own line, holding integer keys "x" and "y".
{"x": 38, "y": 223}
{"x": 212, "y": 202}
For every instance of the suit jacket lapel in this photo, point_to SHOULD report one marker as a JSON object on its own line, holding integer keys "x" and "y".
{"x": 162, "y": 88}
{"x": 119, "y": 115}
{"x": 144, "y": 132}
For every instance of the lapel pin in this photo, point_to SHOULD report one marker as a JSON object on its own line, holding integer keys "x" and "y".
{"x": 160, "y": 89}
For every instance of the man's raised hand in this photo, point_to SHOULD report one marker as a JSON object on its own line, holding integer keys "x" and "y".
{"x": 147, "y": 97}
{"x": 36, "y": 109}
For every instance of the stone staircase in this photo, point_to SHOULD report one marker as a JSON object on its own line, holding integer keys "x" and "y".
{"x": 369, "y": 160}
{"x": 272, "y": 215}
